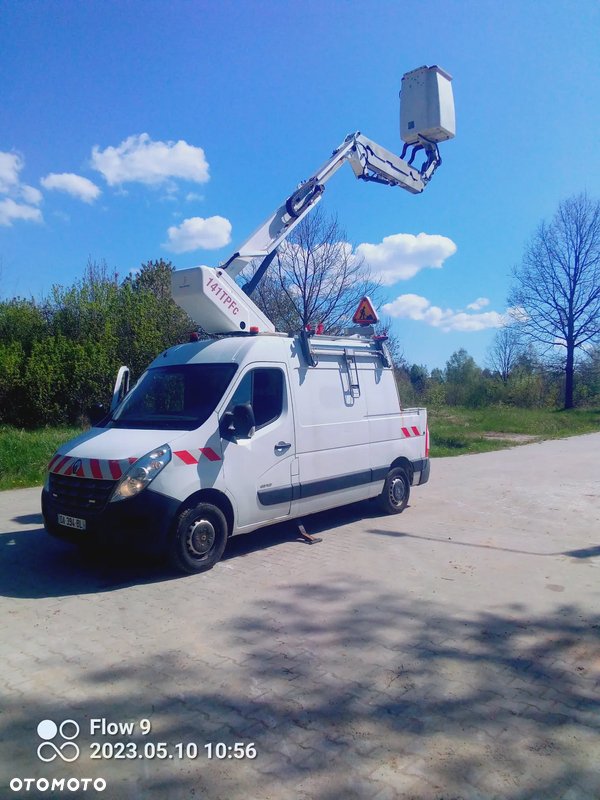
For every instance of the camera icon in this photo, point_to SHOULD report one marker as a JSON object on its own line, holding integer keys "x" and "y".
{"x": 68, "y": 730}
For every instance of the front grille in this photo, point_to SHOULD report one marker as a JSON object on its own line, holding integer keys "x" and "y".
{"x": 79, "y": 495}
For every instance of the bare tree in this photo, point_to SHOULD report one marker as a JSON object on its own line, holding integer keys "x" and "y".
{"x": 504, "y": 352}
{"x": 271, "y": 299}
{"x": 557, "y": 286}
{"x": 322, "y": 279}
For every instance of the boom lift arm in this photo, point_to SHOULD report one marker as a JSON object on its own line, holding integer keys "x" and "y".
{"x": 212, "y": 297}
{"x": 369, "y": 162}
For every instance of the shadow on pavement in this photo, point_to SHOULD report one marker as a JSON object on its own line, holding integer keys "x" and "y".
{"x": 29, "y": 519}
{"x": 588, "y": 552}
{"x": 34, "y": 564}
{"x": 346, "y": 691}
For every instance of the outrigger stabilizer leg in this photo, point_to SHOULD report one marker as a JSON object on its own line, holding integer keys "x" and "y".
{"x": 307, "y": 537}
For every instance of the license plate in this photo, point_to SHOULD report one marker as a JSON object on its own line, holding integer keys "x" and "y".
{"x": 71, "y": 522}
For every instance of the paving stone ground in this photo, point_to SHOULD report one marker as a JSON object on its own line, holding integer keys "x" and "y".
{"x": 451, "y": 652}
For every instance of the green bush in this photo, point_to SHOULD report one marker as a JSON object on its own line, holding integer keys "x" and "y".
{"x": 59, "y": 357}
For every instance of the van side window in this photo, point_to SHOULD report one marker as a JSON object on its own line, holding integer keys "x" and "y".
{"x": 263, "y": 389}
{"x": 267, "y": 395}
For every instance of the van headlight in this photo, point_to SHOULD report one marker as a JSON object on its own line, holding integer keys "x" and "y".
{"x": 143, "y": 472}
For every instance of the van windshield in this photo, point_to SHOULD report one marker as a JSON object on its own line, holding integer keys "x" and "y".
{"x": 180, "y": 397}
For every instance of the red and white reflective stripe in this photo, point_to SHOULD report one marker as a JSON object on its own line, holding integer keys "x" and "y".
{"x": 186, "y": 457}
{"x": 412, "y": 431}
{"x": 210, "y": 454}
{"x": 62, "y": 463}
{"x": 53, "y": 462}
{"x": 427, "y": 442}
{"x": 110, "y": 470}
{"x": 189, "y": 458}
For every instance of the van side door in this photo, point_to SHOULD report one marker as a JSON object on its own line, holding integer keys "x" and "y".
{"x": 332, "y": 437}
{"x": 257, "y": 470}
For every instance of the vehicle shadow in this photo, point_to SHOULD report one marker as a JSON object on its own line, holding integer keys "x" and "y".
{"x": 35, "y": 565}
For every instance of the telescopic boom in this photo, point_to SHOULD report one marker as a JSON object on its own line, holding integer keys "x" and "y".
{"x": 213, "y": 299}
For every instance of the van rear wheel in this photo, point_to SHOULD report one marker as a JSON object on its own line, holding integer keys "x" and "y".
{"x": 396, "y": 491}
{"x": 199, "y": 538}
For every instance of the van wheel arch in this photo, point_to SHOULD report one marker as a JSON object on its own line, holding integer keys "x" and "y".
{"x": 214, "y": 496}
{"x": 406, "y": 465}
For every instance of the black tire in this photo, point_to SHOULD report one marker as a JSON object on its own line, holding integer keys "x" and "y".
{"x": 198, "y": 539}
{"x": 396, "y": 491}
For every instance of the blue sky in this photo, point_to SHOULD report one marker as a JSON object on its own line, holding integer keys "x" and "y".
{"x": 266, "y": 90}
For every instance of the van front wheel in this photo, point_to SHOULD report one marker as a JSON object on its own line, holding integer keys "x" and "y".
{"x": 396, "y": 491}
{"x": 199, "y": 538}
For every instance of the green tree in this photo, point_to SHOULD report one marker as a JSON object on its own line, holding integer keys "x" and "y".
{"x": 419, "y": 378}
{"x": 22, "y": 321}
{"x": 12, "y": 390}
{"x": 463, "y": 380}
{"x": 59, "y": 356}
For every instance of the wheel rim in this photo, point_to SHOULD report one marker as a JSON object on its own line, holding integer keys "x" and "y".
{"x": 397, "y": 492}
{"x": 200, "y": 538}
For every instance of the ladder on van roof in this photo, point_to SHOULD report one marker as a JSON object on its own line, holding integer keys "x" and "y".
{"x": 314, "y": 344}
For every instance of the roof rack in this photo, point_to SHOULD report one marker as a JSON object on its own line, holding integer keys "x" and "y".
{"x": 349, "y": 346}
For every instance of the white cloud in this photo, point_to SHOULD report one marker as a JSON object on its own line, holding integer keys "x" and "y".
{"x": 73, "y": 184}
{"x": 197, "y": 233}
{"x": 194, "y": 196}
{"x": 412, "y": 306}
{"x": 10, "y": 166}
{"x": 479, "y": 303}
{"x": 516, "y": 314}
{"x": 30, "y": 194}
{"x": 10, "y": 210}
{"x": 140, "y": 159}
{"x": 402, "y": 255}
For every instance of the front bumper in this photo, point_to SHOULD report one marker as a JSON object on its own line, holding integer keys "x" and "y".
{"x": 140, "y": 522}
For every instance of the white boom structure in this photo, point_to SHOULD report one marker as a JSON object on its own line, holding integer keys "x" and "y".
{"x": 213, "y": 299}
{"x": 368, "y": 160}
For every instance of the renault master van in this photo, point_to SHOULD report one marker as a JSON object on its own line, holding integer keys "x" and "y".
{"x": 221, "y": 437}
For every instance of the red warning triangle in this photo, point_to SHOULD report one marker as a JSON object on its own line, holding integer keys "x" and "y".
{"x": 365, "y": 313}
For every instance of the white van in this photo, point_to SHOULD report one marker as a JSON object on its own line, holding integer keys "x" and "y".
{"x": 225, "y": 436}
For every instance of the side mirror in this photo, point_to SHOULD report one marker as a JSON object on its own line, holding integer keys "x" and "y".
{"x": 226, "y": 425}
{"x": 243, "y": 421}
{"x": 96, "y": 414}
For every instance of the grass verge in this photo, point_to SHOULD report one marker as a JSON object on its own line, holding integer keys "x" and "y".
{"x": 24, "y": 455}
{"x": 455, "y": 430}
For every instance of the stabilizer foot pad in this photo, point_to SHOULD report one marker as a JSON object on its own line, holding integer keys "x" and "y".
{"x": 306, "y": 537}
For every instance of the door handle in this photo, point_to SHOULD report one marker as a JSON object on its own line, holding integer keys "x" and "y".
{"x": 281, "y": 447}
